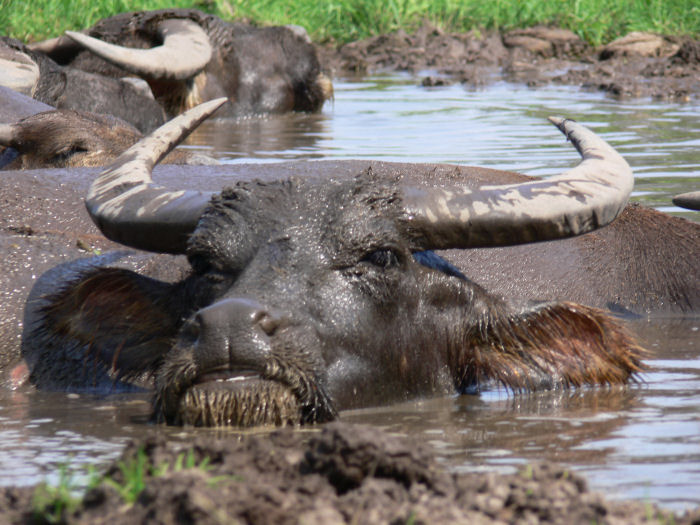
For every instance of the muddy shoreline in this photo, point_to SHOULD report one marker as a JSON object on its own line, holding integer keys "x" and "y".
{"x": 638, "y": 65}
{"x": 338, "y": 473}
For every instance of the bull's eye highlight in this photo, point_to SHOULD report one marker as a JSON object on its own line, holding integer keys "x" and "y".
{"x": 384, "y": 258}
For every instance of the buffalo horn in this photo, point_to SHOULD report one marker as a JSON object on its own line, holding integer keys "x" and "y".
{"x": 55, "y": 46}
{"x": 185, "y": 51}
{"x": 690, "y": 200}
{"x": 129, "y": 208}
{"x": 19, "y": 72}
{"x": 577, "y": 201}
{"x": 7, "y": 134}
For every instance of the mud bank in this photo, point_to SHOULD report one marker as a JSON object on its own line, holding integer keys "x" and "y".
{"x": 637, "y": 65}
{"x": 339, "y": 473}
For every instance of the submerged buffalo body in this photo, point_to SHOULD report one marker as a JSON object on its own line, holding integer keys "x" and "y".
{"x": 306, "y": 296}
{"x": 188, "y": 57}
{"x": 36, "y": 75}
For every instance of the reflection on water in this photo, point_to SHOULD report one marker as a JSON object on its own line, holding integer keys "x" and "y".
{"x": 503, "y": 126}
{"x": 642, "y": 441}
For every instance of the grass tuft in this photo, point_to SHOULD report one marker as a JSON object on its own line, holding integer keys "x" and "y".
{"x": 54, "y": 503}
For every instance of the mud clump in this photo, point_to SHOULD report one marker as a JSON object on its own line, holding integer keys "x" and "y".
{"x": 636, "y": 65}
{"x": 340, "y": 474}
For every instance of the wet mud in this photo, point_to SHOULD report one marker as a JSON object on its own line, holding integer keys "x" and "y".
{"x": 338, "y": 473}
{"x": 637, "y": 65}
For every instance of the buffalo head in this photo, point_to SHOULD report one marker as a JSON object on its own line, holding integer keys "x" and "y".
{"x": 35, "y": 74}
{"x": 65, "y": 138}
{"x": 307, "y": 296}
{"x": 188, "y": 57}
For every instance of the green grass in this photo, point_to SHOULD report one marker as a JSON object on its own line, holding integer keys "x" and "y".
{"x": 597, "y": 21}
{"x": 136, "y": 471}
{"x": 52, "y": 503}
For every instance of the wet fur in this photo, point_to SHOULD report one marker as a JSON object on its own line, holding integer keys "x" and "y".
{"x": 551, "y": 346}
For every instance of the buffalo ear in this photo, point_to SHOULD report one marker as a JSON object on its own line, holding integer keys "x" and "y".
{"x": 117, "y": 318}
{"x": 551, "y": 346}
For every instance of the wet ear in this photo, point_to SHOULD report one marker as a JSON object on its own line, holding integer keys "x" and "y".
{"x": 122, "y": 320}
{"x": 551, "y": 346}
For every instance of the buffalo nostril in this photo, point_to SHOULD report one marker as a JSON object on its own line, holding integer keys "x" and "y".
{"x": 268, "y": 323}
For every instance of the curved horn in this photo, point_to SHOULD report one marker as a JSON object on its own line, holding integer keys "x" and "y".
{"x": 578, "y": 201}
{"x": 690, "y": 200}
{"x": 185, "y": 51}
{"x": 53, "y": 46}
{"x": 19, "y": 72}
{"x": 130, "y": 209}
{"x": 7, "y": 134}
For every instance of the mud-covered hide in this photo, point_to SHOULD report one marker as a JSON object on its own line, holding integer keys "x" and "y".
{"x": 644, "y": 263}
{"x": 71, "y": 88}
{"x": 260, "y": 69}
{"x": 46, "y": 224}
{"x": 15, "y": 106}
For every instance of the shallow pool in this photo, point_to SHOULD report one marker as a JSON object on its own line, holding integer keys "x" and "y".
{"x": 642, "y": 441}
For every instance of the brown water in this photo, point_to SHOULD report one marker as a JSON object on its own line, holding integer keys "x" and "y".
{"x": 642, "y": 441}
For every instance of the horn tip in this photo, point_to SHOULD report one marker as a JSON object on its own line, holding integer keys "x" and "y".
{"x": 218, "y": 102}
{"x": 560, "y": 122}
{"x": 206, "y": 109}
{"x": 690, "y": 200}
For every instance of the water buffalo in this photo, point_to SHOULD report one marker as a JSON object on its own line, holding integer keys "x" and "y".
{"x": 72, "y": 88}
{"x": 67, "y": 138}
{"x": 188, "y": 57}
{"x": 305, "y": 296}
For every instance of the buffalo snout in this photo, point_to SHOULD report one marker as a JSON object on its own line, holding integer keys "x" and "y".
{"x": 233, "y": 333}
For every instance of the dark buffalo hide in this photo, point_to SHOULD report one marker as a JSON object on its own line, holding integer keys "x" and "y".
{"x": 643, "y": 263}
{"x": 72, "y": 88}
{"x": 260, "y": 69}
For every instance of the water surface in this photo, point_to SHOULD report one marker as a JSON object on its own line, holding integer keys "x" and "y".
{"x": 642, "y": 441}
{"x": 503, "y": 126}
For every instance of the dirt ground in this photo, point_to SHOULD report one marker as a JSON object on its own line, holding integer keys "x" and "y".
{"x": 338, "y": 473}
{"x": 638, "y": 65}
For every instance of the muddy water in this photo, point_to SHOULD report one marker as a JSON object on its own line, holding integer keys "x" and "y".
{"x": 642, "y": 441}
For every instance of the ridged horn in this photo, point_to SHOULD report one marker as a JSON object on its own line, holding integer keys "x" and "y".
{"x": 577, "y": 201}
{"x": 19, "y": 72}
{"x": 690, "y": 200}
{"x": 185, "y": 51}
{"x": 53, "y": 46}
{"x": 7, "y": 134}
{"x": 129, "y": 208}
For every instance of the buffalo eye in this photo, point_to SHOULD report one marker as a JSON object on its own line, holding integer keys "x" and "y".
{"x": 383, "y": 258}
{"x": 64, "y": 154}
